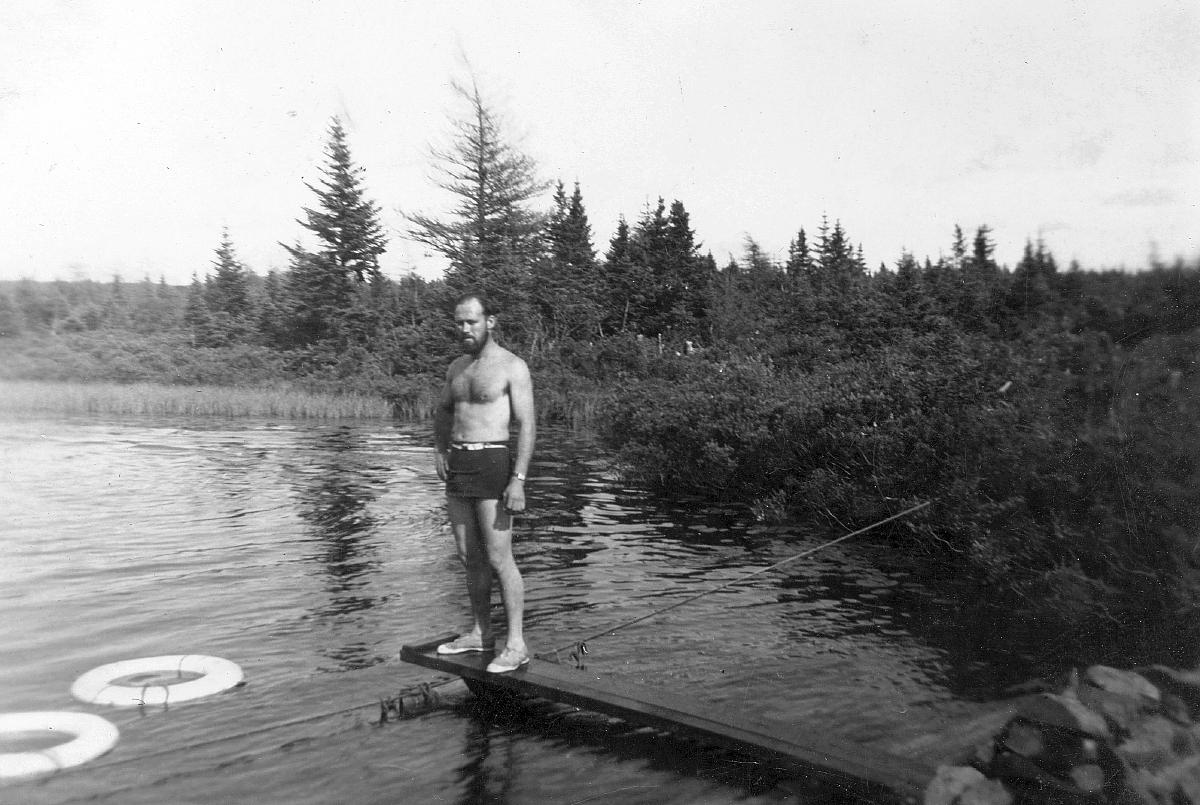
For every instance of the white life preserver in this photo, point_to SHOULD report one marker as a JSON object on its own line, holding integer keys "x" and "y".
{"x": 93, "y": 737}
{"x": 216, "y": 675}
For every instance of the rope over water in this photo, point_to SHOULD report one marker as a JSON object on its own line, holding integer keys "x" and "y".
{"x": 580, "y": 646}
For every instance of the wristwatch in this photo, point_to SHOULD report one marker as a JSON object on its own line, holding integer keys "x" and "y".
{"x": 520, "y": 476}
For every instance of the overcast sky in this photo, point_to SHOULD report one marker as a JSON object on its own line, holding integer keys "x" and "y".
{"x": 131, "y": 133}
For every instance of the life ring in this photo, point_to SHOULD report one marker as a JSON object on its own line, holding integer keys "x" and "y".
{"x": 156, "y": 680}
{"x": 93, "y": 737}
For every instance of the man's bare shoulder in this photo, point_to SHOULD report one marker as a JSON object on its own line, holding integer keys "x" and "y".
{"x": 457, "y": 365}
{"x": 503, "y": 357}
{"x": 513, "y": 363}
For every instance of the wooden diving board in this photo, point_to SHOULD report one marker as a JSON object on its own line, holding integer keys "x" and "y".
{"x": 872, "y": 774}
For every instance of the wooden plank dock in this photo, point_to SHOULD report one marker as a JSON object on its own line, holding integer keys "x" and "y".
{"x": 874, "y": 775}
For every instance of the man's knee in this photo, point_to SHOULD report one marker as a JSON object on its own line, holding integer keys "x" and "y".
{"x": 500, "y": 556}
{"x": 475, "y": 559}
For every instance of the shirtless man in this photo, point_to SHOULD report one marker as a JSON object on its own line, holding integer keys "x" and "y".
{"x": 487, "y": 388}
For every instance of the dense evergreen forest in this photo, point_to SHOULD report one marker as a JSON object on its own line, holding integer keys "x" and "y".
{"x": 1050, "y": 414}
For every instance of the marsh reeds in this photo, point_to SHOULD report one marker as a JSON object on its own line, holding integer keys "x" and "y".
{"x": 415, "y": 404}
{"x": 578, "y": 410}
{"x": 148, "y": 399}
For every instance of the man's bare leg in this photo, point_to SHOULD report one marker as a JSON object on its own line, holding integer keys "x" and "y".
{"x": 495, "y": 525}
{"x": 473, "y": 555}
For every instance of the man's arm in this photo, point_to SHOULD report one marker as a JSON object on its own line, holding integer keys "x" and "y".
{"x": 520, "y": 394}
{"x": 443, "y": 419}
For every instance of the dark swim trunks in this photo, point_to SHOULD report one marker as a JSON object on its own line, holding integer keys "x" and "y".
{"x": 481, "y": 474}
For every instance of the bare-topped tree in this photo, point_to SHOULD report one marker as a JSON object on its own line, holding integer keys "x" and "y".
{"x": 492, "y": 234}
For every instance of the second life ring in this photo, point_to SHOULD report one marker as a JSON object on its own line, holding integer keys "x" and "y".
{"x": 92, "y": 737}
{"x": 156, "y": 680}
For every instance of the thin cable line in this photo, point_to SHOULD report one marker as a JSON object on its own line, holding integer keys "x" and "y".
{"x": 613, "y": 629}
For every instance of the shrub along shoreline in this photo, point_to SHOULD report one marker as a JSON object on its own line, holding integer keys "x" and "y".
{"x": 1072, "y": 508}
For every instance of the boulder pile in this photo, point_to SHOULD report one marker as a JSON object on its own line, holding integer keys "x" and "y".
{"x": 1112, "y": 737}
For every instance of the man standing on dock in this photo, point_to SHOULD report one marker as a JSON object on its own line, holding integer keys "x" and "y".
{"x": 487, "y": 389}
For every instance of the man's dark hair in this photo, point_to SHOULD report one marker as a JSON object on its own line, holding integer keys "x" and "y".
{"x": 488, "y": 308}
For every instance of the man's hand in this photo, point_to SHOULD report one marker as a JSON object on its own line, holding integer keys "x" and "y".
{"x": 514, "y": 496}
{"x": 441, "y": 460}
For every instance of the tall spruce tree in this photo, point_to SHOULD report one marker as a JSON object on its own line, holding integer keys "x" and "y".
{"x": 837, "y": 267}
{"x": 492, "y": 235}
{"x": 650, "y": 248}
{"x": 970, "y": 293}
{"x": 958, "y": 249}
{"x": 345, "y": 221}
{"x": 684, "y": 275}
{"x": 799, "y": 262}
{"x": 625, "y": 283}
{"x": 566, "y": 289}
{"x": 1033, "y": 280}
{"x": 764, "y": 281}
{"x": 908, "y": 286}
{"x": 228, "y": 288}
{"x": 757, "y": 262}
{"x": 982, "y": 248}
{"x": 321, "y": 282}
{"x": 570, "y": 232}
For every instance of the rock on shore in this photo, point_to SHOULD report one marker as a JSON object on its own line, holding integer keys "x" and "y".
{"x": 1112, "y": 737}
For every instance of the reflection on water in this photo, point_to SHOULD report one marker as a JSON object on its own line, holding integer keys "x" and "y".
{"x": 487, "y": 774}
{"x": 333, "y": 492}
{"x": 503, "y": 742}
{"x": 308, "y": 554}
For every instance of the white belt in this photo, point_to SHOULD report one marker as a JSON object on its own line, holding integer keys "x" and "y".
{"x": 476, "y": 445}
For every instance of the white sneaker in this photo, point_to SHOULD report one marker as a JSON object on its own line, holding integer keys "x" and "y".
{"x": 464, "y": 644}
{"x": 508, "y": 660}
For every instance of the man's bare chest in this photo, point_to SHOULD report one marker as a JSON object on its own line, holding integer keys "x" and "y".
{"x": 480, "y": 385}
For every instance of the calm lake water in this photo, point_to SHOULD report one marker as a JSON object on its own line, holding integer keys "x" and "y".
{"x": 308, "y": 554}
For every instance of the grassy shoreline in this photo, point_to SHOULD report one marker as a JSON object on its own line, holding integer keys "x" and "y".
{"x": 151, "y": 399}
